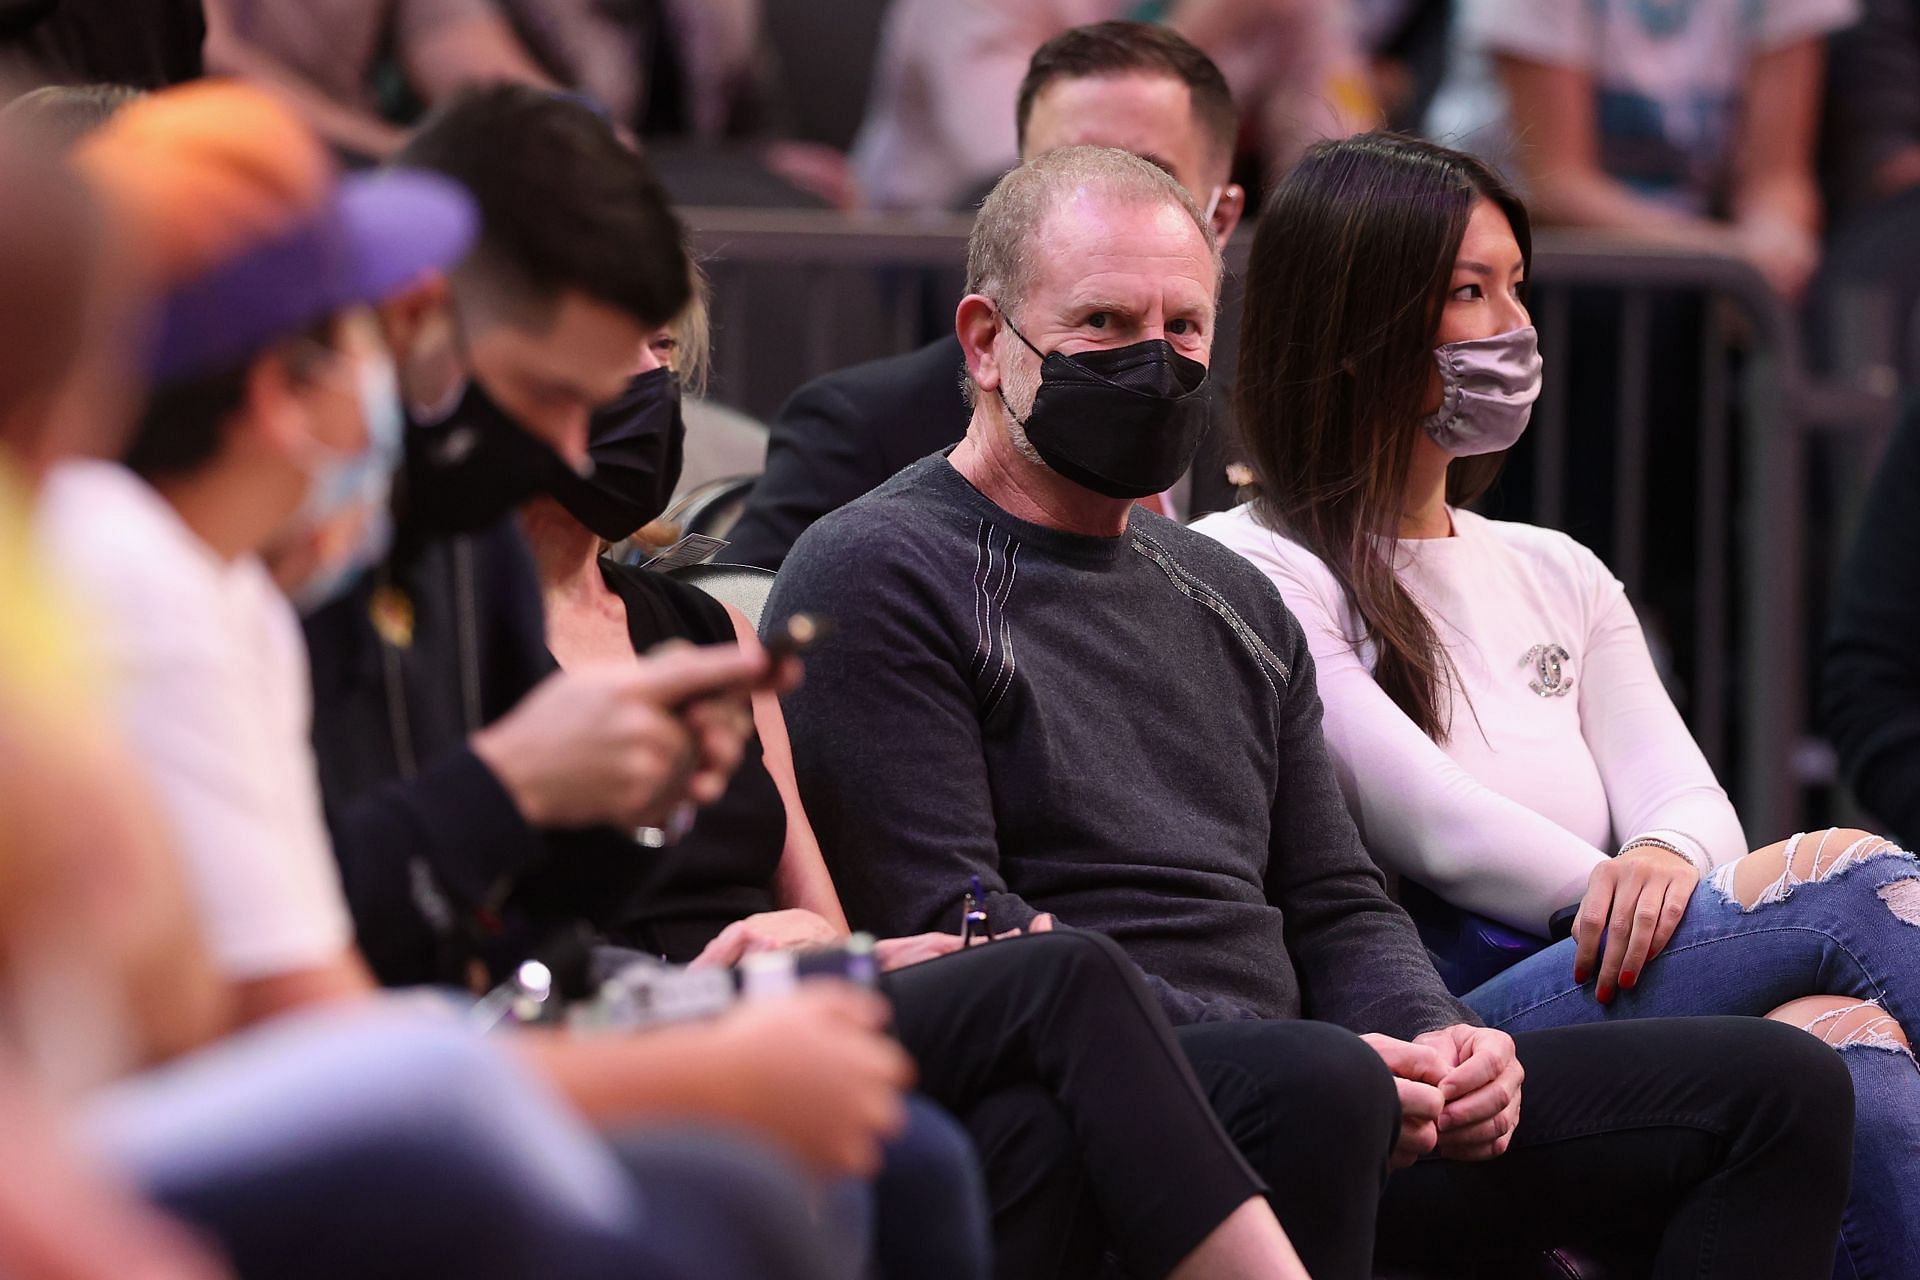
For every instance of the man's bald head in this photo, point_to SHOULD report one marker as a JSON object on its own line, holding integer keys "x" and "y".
{"x": 1009, "y": 233}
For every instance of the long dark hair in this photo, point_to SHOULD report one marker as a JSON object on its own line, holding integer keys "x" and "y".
{"x": 1345, "y": 290}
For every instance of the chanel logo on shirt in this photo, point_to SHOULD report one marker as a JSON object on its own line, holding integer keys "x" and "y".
{"x": 1552, "y": 670}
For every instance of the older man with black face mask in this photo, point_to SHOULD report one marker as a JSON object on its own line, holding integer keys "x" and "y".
{"x": 1040, "y": 688}
{"x": 1132, "y": 85}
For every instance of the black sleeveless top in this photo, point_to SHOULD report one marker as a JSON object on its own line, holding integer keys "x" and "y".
{"x": 723, "y": 868}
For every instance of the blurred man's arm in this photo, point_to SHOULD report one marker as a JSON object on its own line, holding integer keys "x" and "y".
{"x": 1557, "y": 145}
{"x": 342, "y": 124}
{"x": 1776, "y": 196}
{"x": 446, "y": 45}
{"x": 443, "y": 44}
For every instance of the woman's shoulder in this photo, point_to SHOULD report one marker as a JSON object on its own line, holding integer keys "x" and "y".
{"x": 1545, "y": 553}
{"x": 1290, "y": 566}
{"x": 665, "y": 608}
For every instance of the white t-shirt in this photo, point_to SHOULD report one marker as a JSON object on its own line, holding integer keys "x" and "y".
{"x": 207, "y": 675}
{"x": 1563, "y": 747}
{"x": 1667, "y": 76}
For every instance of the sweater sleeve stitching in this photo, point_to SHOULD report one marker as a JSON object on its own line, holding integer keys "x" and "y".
{"x": 993, "y": 632}
{"x": 1195, "y": 589}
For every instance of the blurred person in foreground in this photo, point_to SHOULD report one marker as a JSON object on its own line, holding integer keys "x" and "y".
{"x": 1132, "y": 85}
{"x": 1295, "y": 67}
{"x": 271, "y": 431}
{"x": 101, "y": 971}
{"x": 1111, "y": 719}
{"x": 279, "y": 1145}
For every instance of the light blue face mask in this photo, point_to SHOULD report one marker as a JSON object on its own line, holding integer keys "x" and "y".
{"x": 361, "y": 483}
{"x": 1488, "y": 387}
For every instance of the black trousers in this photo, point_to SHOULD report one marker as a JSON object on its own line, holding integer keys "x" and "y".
{"x": 1715, "y": 1146}
{"x": 1092, "y": 1127}
{"x": 1725, "y": 1144}
{"x": 1718, "y": 1147}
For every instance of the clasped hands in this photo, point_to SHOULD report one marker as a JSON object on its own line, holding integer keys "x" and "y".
{"x": 1459, "y": 1092}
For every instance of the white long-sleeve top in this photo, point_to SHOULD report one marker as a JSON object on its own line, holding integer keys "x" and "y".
{"x": 1563, "y": 744}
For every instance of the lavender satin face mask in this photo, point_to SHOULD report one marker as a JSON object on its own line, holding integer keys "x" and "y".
{"x": 1488, "y": 387}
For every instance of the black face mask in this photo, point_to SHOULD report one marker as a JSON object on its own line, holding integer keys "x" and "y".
{"x": 474, "y": 467}
{"x": 636, "y": 443}
{"x": 1121, "y": 421}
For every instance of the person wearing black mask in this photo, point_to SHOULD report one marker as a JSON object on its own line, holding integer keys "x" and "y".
{"x": 445, "y": 754}
{"x": 1050, "y": 1046}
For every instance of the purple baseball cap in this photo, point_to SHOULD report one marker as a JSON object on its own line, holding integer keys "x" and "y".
{"x": 373, "y": 236}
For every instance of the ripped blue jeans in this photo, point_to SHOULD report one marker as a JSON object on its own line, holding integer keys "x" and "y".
{"x": 1843, "y": 921}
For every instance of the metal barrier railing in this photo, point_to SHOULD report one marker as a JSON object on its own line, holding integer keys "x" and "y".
{"x": 800, "y": 293}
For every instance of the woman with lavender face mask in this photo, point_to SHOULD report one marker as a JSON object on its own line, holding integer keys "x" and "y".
{"x": 1494, "y": 717}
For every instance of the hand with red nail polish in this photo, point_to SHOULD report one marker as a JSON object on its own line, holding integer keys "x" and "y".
{"x": 1633, "y": 904}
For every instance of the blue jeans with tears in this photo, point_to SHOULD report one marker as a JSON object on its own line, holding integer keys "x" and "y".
{"x": 1848, "y": 925}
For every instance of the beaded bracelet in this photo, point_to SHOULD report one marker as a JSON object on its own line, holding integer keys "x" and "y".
{"x": 1658, "y": 842}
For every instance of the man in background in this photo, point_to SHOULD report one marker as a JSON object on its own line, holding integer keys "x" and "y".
{"x": 1295, "y": 67}
{"x": 1132, "y": 85}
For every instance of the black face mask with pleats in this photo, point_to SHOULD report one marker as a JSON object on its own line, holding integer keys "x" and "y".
{"x": 475, "y": 466}
{"x": 637, "y": 443}
{"x": 1121, "y": 421}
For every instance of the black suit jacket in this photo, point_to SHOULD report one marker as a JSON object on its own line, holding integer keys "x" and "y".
{"x": 849, "y": 431}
